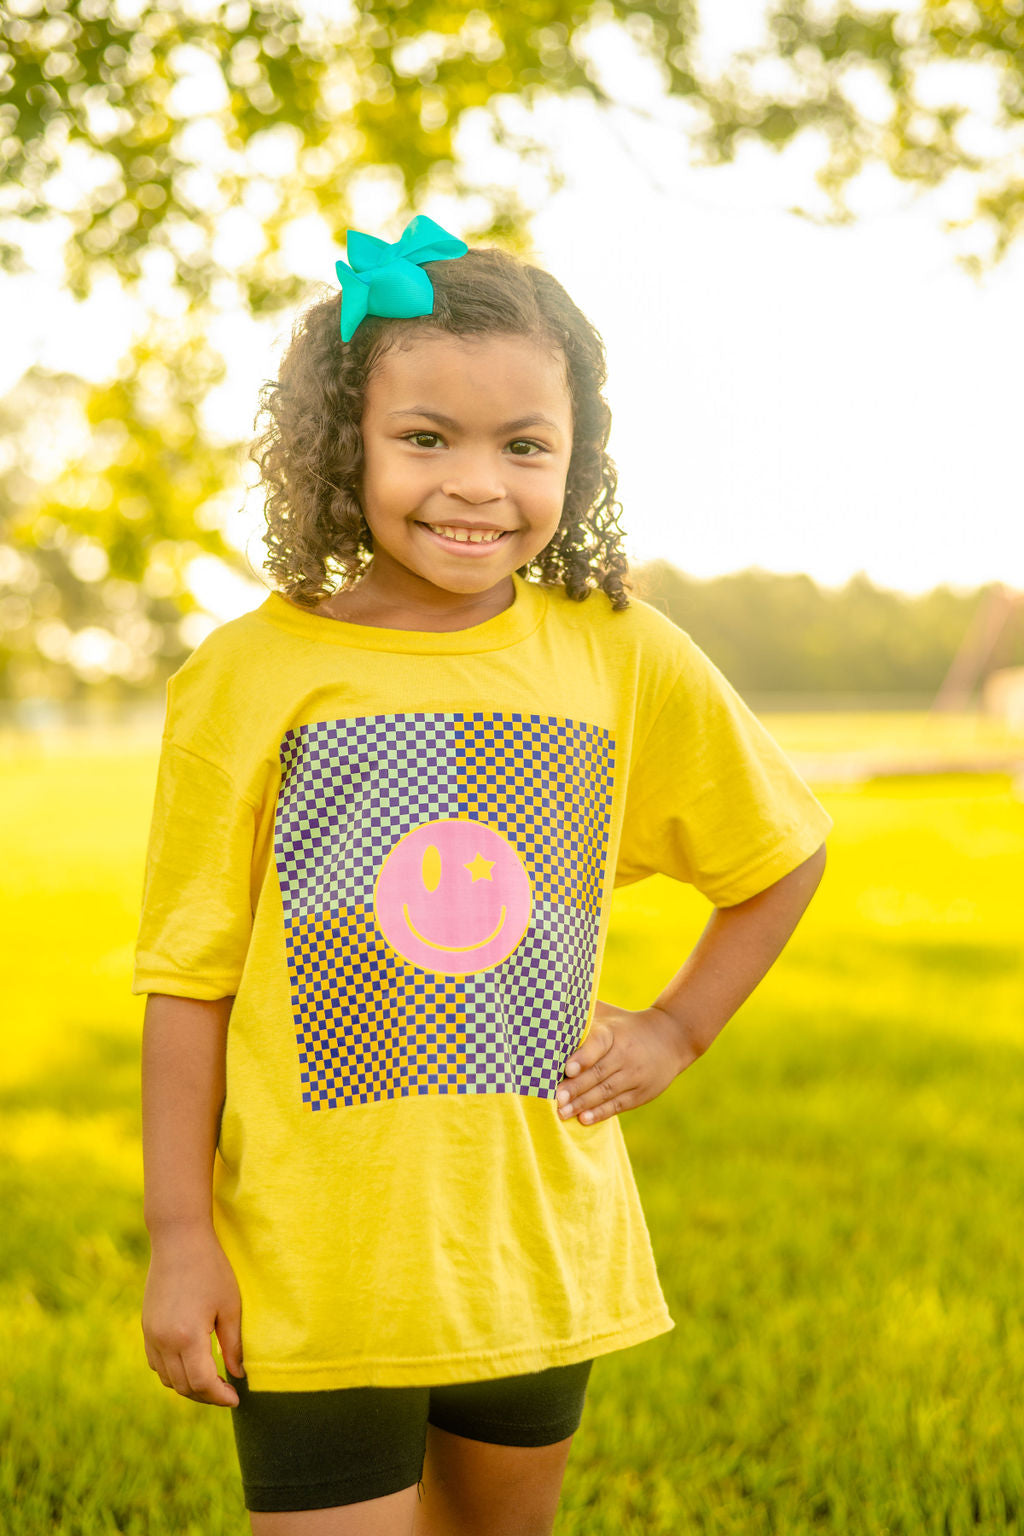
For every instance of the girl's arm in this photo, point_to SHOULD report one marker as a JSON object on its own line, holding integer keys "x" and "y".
{"x": 184, "y": 1046}
{"x": 736, "y": 950}
{"x": 191, "y": 1288}
{"x": 629, "y": 1058}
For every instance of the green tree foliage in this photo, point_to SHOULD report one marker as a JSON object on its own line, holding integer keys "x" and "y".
{"x": 388, "y": 85}
{"x": 94, "y": 558}
{"x": 931, "y": 91}
{"x": 383, "y": 85}
{"x": 773, "y": 633}
{"x": 100, "y": 123}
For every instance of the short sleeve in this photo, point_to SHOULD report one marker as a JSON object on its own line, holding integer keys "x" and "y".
{"x": 196, "y": 904}
{"x": 712, "y": 799}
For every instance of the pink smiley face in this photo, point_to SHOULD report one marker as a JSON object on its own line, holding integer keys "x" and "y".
{"x": 453, "y": 896}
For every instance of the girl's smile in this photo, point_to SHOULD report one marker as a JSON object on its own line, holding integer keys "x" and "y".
{"x": 454, "y": 499}
{"x": 462, "y": 540}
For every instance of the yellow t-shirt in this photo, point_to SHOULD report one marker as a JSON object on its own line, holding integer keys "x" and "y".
{"x": 396, "y": 851}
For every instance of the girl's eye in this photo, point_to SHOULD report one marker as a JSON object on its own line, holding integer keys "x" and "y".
{"x": 412, "y": 436}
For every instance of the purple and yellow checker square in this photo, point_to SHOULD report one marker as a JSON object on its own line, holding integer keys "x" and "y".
{"x": 441, "y": 879}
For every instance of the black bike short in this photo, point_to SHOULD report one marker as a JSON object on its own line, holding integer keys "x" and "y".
{"x": 315, "y": 1450}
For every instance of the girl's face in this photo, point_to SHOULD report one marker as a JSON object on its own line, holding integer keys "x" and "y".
{"x": 465, "y": 434}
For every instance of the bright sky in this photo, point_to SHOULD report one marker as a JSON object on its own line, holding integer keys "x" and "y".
{"x": 787, "y": 396}
{"x": 791, "y": 396}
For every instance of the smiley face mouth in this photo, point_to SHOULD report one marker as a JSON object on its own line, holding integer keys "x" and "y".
{"x": 451, "y": 949}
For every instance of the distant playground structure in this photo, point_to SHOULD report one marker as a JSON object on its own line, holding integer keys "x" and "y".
{"x": 1001, "y": 698}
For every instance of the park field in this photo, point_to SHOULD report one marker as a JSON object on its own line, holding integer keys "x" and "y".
{"x": 834, "y": 1191}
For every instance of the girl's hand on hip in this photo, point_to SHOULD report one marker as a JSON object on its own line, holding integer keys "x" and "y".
{"x": 627, "y": 1059}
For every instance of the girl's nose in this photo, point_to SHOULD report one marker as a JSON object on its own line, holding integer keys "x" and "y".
{"x": 473, "y": 487}
{"x": 474, "y": 484}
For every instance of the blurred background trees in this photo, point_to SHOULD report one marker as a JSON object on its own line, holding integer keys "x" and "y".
{"x": 150, "y": 131}
{"x": 771, "y": 633}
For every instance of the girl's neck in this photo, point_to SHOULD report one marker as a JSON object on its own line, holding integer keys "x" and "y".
{"x": 362, "y": 605}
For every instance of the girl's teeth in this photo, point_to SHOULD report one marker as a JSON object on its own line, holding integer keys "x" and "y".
{"x": 463, "y": 536}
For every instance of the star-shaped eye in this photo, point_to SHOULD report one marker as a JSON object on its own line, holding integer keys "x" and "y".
{"x": 479, "y": 868}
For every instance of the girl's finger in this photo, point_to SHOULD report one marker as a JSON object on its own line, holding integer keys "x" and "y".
{"x": 589, "y": 1077}
{"x": 590, "y": 1097}
{"x": 613, "y": 1106}
{"x": 205, "y": 1382}
{"x": 176, "y": 1372}
{"x": 596, "y": 1045}
{"x": 156, "y": 1363}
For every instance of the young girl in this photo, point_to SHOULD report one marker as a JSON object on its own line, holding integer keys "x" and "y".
{"x": 392, "y": 804}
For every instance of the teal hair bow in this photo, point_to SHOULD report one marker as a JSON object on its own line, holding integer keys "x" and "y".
{"x": 388, "y": 279}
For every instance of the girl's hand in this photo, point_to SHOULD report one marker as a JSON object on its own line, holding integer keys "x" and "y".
{"x": 626, "y": 1060}
{"x": 191, "y": 1290}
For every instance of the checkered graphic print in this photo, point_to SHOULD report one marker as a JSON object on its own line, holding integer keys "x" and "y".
{"x": 382, "y": 1007}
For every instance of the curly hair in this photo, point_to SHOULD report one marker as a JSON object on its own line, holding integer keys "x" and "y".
{"x": 311, "y": 454}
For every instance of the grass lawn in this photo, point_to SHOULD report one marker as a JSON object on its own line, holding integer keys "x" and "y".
{"x": 833, "y": 1191}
